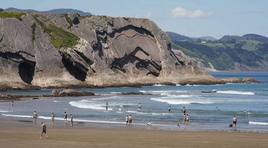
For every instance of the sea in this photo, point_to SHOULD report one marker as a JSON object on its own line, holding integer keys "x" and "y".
{"x": 210, "y": 107}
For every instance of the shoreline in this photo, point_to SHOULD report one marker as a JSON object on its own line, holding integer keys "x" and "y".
{"x": 27, "y": 121}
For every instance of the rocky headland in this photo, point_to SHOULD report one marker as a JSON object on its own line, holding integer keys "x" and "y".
{"x": 68, "y": 50}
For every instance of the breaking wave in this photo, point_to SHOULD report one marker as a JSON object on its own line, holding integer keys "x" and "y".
{"x": 86, "y": 104}
{"x": 258, "y": 123}
{"x": 181, "y": 101}
{"x": 233, "y": 92}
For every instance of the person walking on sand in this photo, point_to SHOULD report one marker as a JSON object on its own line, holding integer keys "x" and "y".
{"x": 72, "y": 120}
{"x": 44, "y": 130}
{"x": 65, "y": 117}
{"x": 35, "y": 116}
{"x": 52, "y": 119}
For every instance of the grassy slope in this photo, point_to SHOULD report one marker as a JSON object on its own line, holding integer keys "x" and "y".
{"x": 16, "y": 15}
{"x": 59, "y": 37}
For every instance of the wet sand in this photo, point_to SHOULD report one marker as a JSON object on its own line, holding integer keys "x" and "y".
{"x": 25, "y": 135}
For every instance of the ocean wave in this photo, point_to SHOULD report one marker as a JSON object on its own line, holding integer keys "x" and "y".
{"x": 144, "y": 113}
{"x": 86, "y": 104}
{"x": 258, "y": 123}
{"x": 106, "y": 98}
{"x": 137, "y": 112}
{"x": 115, "y": 92}
{"x": 56, "y": 101}
{"x": 96, "y": 105}
{"x": 233, "y": 92}
{"x": 181, "y": 101}
{"x": 61, "y": 119}
{"x": 161, "y": 114}
{"x": 179, "y": 96}
{"x": 4, "y": 111}
{"x": 191, "y": 85}
{"x": 163, "y": 92}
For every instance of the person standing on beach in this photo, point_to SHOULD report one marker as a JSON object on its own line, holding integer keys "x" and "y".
{"x": 72, "y": 120}
{"x": 35, "y": 116}
{"x": 65, "y": 117}
{"x": 52, "y": 119}
{"x": 12, "y": 105}
{"x": 106, "y": 106}
{"x": 169, "y": 108}
{"x": 44, "y": 130}
{"x": 139, "y": 107}
{"x": 234, "y": 122}
{"x": 127, "y": 119}
{"x": 130, "y": 119}
{"x": 187, "y": 118}
{"x": 184, "y": 111}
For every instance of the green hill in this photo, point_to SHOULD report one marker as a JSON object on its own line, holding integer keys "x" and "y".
{"x": 248, "y": 52}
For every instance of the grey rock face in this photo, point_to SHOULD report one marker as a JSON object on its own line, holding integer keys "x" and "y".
{"x": 109, "y": 52}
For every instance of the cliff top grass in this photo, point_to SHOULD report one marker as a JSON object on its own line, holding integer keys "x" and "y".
{"x": 16, "y": 15}
{"x": 59, "y": 37}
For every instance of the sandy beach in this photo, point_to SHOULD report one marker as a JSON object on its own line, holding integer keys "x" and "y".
{"x": 15, "y": 134}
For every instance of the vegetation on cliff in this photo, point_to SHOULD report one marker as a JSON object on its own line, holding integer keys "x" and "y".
{"x": 16, "y": 15}
{"x": 59, "y": 37}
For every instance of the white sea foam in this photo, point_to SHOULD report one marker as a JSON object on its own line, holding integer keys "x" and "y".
{"x": 163, "y": 92}
{"x": 179, "y": 96}
{"x": 115, "y": 92}
{"x": 258, "y": 123}
{"x": 233, "y": 92}
{"x": 4, "y": 111}
{"x": 86, "y": 104}
{"x": 161, "y": 114}
{"x": 99, "y": 105}
{"x": 136, "y": 112}
{"x": 75, "y": 120}
{"x": 157, "y": 85}
{"x": 56, "y": 101}
{"x": 106, "y": 98}
{"x": 181, "y": 101}
{"x": 17, "y": 116}
{"x": 144, "y": 113}
{"x": 191, "y": 85}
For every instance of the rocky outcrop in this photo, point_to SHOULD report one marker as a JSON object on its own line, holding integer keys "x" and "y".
{"x": 70, "y": 92}
{"x": 48, "y": 50}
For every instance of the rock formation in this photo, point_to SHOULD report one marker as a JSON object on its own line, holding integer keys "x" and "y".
{"x": 49, "y": 50}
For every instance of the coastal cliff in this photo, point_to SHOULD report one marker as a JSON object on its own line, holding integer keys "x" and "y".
{"x": 64, "y": 50}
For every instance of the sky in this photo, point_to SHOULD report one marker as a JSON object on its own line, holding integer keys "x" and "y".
{"x": 193, "y": 18}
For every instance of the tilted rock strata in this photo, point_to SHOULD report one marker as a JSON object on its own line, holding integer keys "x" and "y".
{"x": 69, "y": 50}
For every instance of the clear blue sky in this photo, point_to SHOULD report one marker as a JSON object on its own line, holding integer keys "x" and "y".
{"x": 189, "y": 17}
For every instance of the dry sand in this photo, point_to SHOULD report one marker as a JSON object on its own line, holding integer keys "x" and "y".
{"x": 23, "y": 135}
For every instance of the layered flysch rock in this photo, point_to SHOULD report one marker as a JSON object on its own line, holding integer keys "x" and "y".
{"x": 49, "y": 50}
